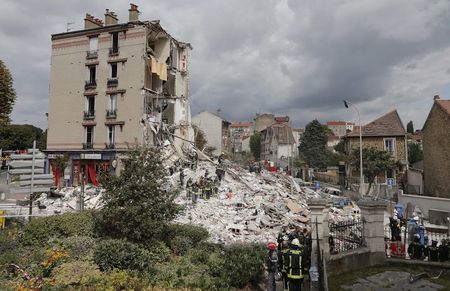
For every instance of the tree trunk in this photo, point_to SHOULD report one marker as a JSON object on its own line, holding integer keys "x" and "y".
{"x": 368, "y": 188}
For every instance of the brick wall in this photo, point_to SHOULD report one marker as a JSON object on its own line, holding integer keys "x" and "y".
{"x": 436, "y": 152}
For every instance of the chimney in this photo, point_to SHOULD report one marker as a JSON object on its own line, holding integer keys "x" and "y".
{"x": 133, "y": 13}
{"x": 110, "y": 18}
{"x": 436, "y": 97}
{"x": 92, "y": 22}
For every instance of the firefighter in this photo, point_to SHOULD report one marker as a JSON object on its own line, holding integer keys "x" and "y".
{"x": 432, "y": 252}
{"x": 282, "y": 256}
{"x": 272, "y": 266}
{"x": 415, "y": 249}
{"x": 189, "y": 188}
{"x": 208, "y": 188}
{"x": 443, "y": 251}
{"x": 295, "y": 265}
{"x": 195, "y": 193}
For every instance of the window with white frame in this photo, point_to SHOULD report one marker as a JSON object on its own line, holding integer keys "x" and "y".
{"x": 112, "y": 102}
{"x": 93, "y": 43}
{"x": 389, "y": 145}
{"x": 111, "y": 134}
{"x": 89, "y": 135}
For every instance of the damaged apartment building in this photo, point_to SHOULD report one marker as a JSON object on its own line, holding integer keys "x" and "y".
{"x": 114, "y": 85}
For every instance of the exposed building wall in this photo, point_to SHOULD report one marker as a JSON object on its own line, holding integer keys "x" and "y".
{"x": 436, "y": 152}
{"x": 211, "y": 125}
{"x": 262, "y": 121}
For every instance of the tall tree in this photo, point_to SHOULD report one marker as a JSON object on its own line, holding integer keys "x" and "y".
{"x": 415, "y": 153}
{"x": 375, "y": 162}
{"x": 255, "y": 145}
{"x": 20, "y": 137}
{"x": 410, "y": 127}
{"x": 314, "y": 145}
{"x": 7, "y": 94}
{"x": 138, "y": 204}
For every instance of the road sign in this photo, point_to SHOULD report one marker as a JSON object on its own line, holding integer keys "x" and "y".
{"x": 390, "y": 181}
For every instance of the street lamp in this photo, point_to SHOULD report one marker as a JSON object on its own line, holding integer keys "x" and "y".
{"x": 347, "y": 104}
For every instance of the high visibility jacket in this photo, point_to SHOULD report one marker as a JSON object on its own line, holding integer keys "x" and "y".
{"x": 294, "y": 264}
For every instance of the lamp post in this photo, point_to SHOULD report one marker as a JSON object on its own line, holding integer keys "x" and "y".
{"x": 347, "y": 104}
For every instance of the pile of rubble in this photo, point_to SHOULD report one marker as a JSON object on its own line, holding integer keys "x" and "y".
{"x": 260, "y": 205}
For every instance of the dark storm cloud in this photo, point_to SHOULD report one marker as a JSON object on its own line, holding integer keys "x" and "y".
{"x": 288, "y": 57}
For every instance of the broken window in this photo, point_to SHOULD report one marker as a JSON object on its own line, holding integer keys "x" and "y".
{"x": 113, "y": 70}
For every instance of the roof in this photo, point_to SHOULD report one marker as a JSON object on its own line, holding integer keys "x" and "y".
{"x": 339, "y": 122}
{"x": 282, "y": 132}
{"x": 298, "y": 129}
{"x": 241, "y": 124}
{"x": 445, "y": 105}
{"x": 389, "y": 124}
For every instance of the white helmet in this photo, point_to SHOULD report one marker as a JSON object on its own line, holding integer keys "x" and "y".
{"x": 295, "y": 242}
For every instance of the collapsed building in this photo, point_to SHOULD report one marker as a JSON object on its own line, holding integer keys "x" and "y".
{"x": 114, "y": 85}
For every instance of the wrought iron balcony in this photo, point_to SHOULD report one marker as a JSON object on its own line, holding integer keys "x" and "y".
{"x": 113, "y": 51}
{"x": 110, "y": 146}
{"x": 111, "y": 113}
{"x": 87, "y": 145}
{"x": 90, "y": 114}
{"x": 91, "y": 84}
{"x": 112, "y": 82}
{"x": 91, "y": 54}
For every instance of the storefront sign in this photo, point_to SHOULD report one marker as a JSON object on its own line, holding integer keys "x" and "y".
{"x": 54, "y": 156}
{"x": 90, "y": 156}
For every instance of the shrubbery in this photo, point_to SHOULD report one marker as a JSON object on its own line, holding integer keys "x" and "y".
{"x": 39, "y": 230}
{"x": 119, "y": 254}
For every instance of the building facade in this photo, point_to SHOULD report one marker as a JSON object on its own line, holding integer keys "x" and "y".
{"x": 114, "y": 85}
{"x": 385, "y": 133}
{"x": 278, "y": 144}
{"x": 436, "y": 150}
{"x": 215, "y": 129}
{"x": 340, "y": 128}
{"x": 239, "y": 131}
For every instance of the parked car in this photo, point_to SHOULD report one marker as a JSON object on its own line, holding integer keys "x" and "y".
{"x": 332, "y": 191}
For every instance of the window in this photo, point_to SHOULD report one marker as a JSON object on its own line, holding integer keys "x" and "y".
{"x": 115, "y": 42}
{"x": 89, "y": 135}
{"x": 113, "y": 70}
{"x": 92, "y": 74}
{"x": 90, "y": 104}
{"x": 112, "y": 102}
{"x": 111, "y": 134}
{"x": 389, "y": 145}
{"x": 93, "y": 43}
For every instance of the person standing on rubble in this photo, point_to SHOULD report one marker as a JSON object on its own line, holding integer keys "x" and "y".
{"x": 295, "y": 266}
{"x": 208, "y": 188}
{"x": 272, "y": 266}
{"x": 201, "y": 184}
{"x": 195, "y": 192}
{"x": 189, "y": 188}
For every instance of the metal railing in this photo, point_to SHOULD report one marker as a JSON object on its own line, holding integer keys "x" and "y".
{"x": 113, "y": 51}
{"x": 91, "y": 84}
{"x": 112, "y": 82}
{"x": 90, "y": 114}
{"x": 111, "y": 113}
{"x": 91, "y": 54}
{"x": 346, "y": 235}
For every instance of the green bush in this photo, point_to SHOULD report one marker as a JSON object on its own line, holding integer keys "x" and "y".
{"x": 195, "y": 234}
{"x": 80, "y": 247}
{"x": 243, "y": 264}
{"x": 75, "y": 274}
{"x": 120, "y": 254}
{"x": 159, "y": 251}
{"x": 39, "y": 230}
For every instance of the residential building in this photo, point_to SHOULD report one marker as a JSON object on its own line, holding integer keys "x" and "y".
{"x": 113, "y": 85}
{"x": 384, "y": 133}
{"x": 436, "y": 150}
{"x": 278, "y": 144}
{"x": 298, "y": 135}
{"x": 262, "y": 121}
{"x": 238, "y": 132}
{"x": 340, "y": 128}
{"x": 215, "y": 129}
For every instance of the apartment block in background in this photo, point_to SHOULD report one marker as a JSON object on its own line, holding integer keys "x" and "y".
{"x": 114, "y": 85}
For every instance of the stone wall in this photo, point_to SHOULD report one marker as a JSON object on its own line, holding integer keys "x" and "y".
{"x": 436, "y": 152}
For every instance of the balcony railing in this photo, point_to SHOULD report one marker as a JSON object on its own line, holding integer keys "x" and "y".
{"x": 87, "y": 145}
{"x": 91, "y": 84}
{"x": 110, "y": 146}
{"x": 91, "y": 54}
{"x": 112, "y": 82}
{"x": 111, "y": 113}
{"x": 90, "y": 114}
{"x": 113, "y": 51}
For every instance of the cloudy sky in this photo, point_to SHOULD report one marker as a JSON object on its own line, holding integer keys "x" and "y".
{"x": 290, "y": 57}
